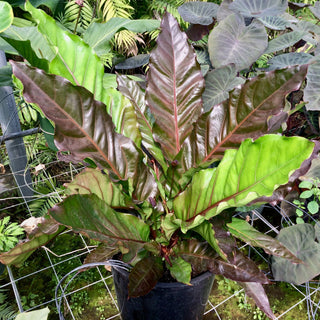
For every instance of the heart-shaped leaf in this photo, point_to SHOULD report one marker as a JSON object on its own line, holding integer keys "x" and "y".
{"x": 198, "y": 12}
{"x": 259, "y": 8}
{"x": 234, "y": 42}
{"x": 174, "y": 89}
{"x": 299, "y": 239}
{"x": 6, "y": 15}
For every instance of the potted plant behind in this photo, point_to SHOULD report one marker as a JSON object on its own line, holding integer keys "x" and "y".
{"x": 169, "y": 174}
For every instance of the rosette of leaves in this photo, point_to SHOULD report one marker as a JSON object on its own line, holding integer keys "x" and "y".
{"x": 170, "y": 173}
{"x": 9, "y": 234}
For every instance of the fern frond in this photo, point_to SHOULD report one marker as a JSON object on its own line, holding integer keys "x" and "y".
{"x": 114, "y": 8}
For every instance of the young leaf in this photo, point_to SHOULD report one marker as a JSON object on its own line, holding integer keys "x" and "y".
{"x": 92, "y": 135}
{"x": 175, "y": 85}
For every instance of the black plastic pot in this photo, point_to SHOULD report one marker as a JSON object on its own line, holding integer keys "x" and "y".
{"x": 167, "y": 301}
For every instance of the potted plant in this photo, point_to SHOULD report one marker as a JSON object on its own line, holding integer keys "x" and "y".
{"x": 169, "y": 173}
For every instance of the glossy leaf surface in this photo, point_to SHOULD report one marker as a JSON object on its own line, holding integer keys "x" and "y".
{"x": 234, "y": 42}
{"x": 299, "y": 239}
{"x": 255, "y": 170}
{"x": 144, "y": 276}
{"x": 242, "y": 230}
{"x": 83, "y": 125}
{"x": 6, "y": 15}
{"x": 174, "y": 89}
{"x": 103, "y": 224}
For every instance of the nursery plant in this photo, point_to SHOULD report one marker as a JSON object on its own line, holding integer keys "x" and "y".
{"x": 172, "y": 162}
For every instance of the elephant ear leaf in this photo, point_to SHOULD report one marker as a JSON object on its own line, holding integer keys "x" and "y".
{"x": 82, "y": 125}
{"x": 175, "y": 85}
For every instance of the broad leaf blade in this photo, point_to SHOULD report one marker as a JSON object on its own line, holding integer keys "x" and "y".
{"x": 180, "y": 270}
{"x": 242, "y": 230}
{"x": 274, "y": 22}
{"x": 144, "y": 276}
{"x": 91, "y": 216}
{"x": 234, "y": 42}
{"x": 299, "y": 239}
{"x": 289, "y": 59}
{"x": 83, "y": 126}
{"x": 311, "y": 92}
{"x": 6, "y": 15}
{"x": 175, "y": 84}
{"x": 255, "y": 170}
{"x": 256, "y": 292}
{"x": 198, "y": 12}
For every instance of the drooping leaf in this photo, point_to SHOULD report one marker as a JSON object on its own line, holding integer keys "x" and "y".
{"x": 117, "y": 229}
{"x": 259, "y": 8}
{"x": 102, "y": 253}
{"x": 315, "y": 9}
{"x": 6, "y": 15}
{"x": 175, "y": 84}
{"x": 256, "y": 291}
{"x": 242, "y": 230}
{"x": 289, "y": 59}
{"x": 83, "y": 125}
{"x": 98, "y": 35}
{"x": 219, "y": 82}
{"x": 131, "y": 90}
{"x": 198, "y": 12}
{"x": 299, "y": 239}
{"x": 133, "y": 62}
{"x": 91, "y": 181}
{"x": 41, "y": 314}
{"x": 74, "y": 60}
{"x": 274, "y": 22}
{"x": 144, "y": 276}
{"x": 234, "y": 42}
{"x": 255, "y": 170}
{"x": 284, "y": 41}
{"x": 244, "y": 114}
{"x": 311, "y": 91}
{"x": 180, "y": 270}
{"x": 45, "y": 232}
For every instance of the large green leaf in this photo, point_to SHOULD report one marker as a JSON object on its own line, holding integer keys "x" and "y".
{"x": 175, "y": 84}
{"x": 289, "y": 59}
{"x": 243, "y": 115}
{"x": 83, "y": 125}
{"x": 234, "y": 42}
{"x": 299, "y": 239}
{"x": 198, "y": 12}
{"x": 144, "y": 276}
{"x": 219, "y": 82}
{"x": 311, "y": 31}
{"x": 312, "y": 89}
{"x": 6, "y": 15}
{"x": 98, "y": 35}
{"x": 274, "y": 22}
{"x": 92, "y": 217}
{"x": 74, "y": 60}
{"x": 284, "y": 41}
{"x": 259, "y": 8}
{"x": 242, "y": 230}
{"x": 243, "y": 175}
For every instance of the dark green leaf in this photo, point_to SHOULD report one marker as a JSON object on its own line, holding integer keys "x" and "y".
{"x": 274, "y": 22}
{"x": 299, "y": 239}
{"x": 6, "y": 76}
{"x": 133, "y": 62}
{"x": 180, "y": 270}
{"x": 198, "y": 12}
{"x": 77, "y": 130}
{"x": 175, "y": 85}
{"x": 234, "y": 42}
{"x": 144, "y": 276}
{"x": 312, "y": 89}
{"x": 48, "y": 132}
{"x": 289, "y": 59}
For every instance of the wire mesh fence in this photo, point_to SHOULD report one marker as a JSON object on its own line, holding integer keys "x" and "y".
{"x": 90, "y": 295}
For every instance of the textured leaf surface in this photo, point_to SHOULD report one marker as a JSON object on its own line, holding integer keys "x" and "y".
{"x": 219, "y": 82}
{"x": 289, "y": 59}
{"x": 98, "y": 35}
{"x": 180, "y": 270}
{"x": 316, "y": 9}
{"x": 92, "y": 217}
{"x": 144, "y": 276}
{"x": 198, "y": 12}
{"x": 175, "y": 85}
{"x": 256, "y": 291}
{"x": 299, "y": 239}
{"x": 6, "y": 15}
{"x": 234, "y": 42}
{"x": 259, "y": 8}
{"x": 243, "y": 175}
{"x": 83, "y": 125}
{"x": 274, "y": 22}
{"x": 243, "y": 115}
{"x": 312, "y": 89}
{"x": 284, "y": 41}
{"x": 75, "y": 60}
{"x": 242, "y": 230}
